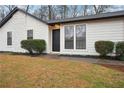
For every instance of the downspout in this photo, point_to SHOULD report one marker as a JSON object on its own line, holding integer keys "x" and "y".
{"x": 25, "y": 28}
{"x": 26, "y": 24}
{"x": 123, "y": 29}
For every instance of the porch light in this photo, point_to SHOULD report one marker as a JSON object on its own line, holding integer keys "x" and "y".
{"x": 57, "y": 26}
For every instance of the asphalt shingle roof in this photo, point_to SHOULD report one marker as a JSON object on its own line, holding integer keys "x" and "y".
{"x": 90, "y": 17}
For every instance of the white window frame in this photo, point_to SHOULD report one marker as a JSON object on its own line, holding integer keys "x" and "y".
{"x": 11, "y": 38}
{"x": 32, "y": 34}
{"x": 64, "y": 37}
{"x": 74, "y": 49}
{"x": 75, "y": 36}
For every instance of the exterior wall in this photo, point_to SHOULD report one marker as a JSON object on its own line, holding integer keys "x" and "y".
{"x": 107, "y": 29}
{"x": 18, "y": 25}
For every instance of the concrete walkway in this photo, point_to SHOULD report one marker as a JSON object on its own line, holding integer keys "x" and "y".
{"x": 89, "y": 60}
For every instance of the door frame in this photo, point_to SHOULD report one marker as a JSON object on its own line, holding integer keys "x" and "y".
{"x": 53, "y": 52}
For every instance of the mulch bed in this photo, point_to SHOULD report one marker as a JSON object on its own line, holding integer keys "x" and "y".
{"x": 116, "y": 67}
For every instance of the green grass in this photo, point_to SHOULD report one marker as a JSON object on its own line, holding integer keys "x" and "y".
{"x": 25, "y": 71}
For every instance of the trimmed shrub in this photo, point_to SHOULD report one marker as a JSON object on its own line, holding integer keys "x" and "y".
{"x": 104, "y": 47}
{"x": 120, "y": 50}
{"x": 39, "y": 46}
{"x": 26, "y": 44}
{"x": 34, "y": 46}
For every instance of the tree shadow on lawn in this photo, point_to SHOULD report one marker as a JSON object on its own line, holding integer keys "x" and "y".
{"x": 115, "y": 67}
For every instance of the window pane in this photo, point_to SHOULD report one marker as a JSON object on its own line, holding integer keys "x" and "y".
{"x": 9, "y": 38}
{"x": 69, "y": 37}
{"x": 80, "y": 36}
{"x": 30, "y": 34}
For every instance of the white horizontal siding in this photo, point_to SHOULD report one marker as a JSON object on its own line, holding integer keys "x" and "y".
{"x": 112, "y": 30}
{"x": 18, "y": 25}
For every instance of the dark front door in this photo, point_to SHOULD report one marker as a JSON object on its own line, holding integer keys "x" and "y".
{"x": 56, "y": 40}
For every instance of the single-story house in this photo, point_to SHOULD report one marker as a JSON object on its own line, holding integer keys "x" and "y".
{"x": 73, "y": 36}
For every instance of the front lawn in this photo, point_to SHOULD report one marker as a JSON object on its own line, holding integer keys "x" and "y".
{"x": 26, "y": 71}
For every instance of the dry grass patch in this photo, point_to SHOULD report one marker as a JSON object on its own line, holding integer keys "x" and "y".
{"x": 25, "y": 71}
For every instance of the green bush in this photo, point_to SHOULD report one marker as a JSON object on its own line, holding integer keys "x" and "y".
{"x": 104, "y": 47}
{"x": 120, "y": 50}
{"x": 34, "y": 46}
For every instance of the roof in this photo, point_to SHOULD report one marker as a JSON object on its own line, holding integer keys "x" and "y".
{"x": 13, "y": 12}
{"x": 90, "y": 17}
{"x": 81, "y": 18}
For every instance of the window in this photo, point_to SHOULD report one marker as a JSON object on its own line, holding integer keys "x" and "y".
{"x": 69, "y": 37}
{"x": 80, "y": 36}
{"x": 9, "y": 38}
{"x": 75, "y": 37}
{"x": 30, "y": 34}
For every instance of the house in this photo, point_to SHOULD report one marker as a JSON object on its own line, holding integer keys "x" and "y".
{"x": 74, "y": 36}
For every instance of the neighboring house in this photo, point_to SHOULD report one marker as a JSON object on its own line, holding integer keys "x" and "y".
{"x": 74, "y": 36}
